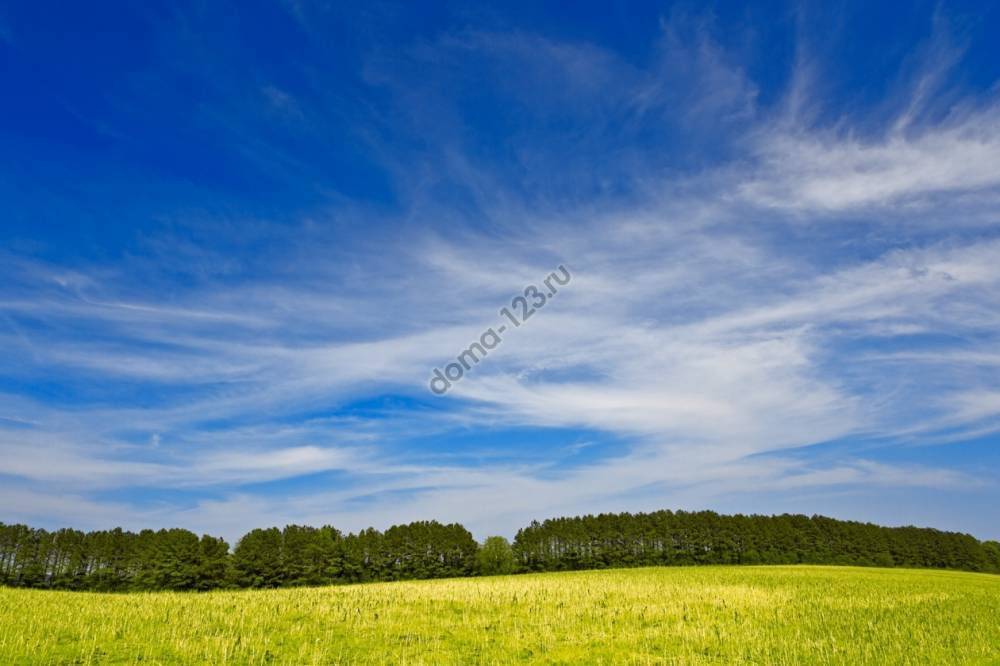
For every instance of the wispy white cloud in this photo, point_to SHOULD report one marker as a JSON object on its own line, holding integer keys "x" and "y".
{"x": 824, "y": 172}
{"x": 924, "y": 143}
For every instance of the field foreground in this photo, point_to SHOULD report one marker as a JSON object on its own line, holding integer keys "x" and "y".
{"x": 788, "y": 615}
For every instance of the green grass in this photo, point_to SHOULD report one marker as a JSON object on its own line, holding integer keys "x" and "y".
{"x": 759, "y": 615}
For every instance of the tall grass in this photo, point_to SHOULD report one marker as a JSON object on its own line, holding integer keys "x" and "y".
{"x": 760, "y": 615}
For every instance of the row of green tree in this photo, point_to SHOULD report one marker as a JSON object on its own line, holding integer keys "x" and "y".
{"x": 176, "y": 559}
{"x": 705, "y": 537}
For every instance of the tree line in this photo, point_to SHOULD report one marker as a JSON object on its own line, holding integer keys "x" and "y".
{"x": 705, "y": 537}
{"x": 177, "y": 559}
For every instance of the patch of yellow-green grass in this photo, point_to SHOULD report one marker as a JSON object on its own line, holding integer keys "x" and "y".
{"x": 759, "y": 615}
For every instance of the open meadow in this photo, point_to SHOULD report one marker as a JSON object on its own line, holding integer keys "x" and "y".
{"x": 682, "y": 615}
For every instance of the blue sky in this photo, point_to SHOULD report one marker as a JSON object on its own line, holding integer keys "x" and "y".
{"x": 236, "y": 239}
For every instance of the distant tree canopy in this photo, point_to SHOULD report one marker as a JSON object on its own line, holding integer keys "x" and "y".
{"x": 705, "y": 537}
{"x": 176, "y": 559}
{"x": 496, "y": 557}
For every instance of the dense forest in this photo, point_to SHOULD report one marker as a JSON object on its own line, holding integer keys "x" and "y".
{"x": 678, "y": 538}
{"x": 176, "y": 559}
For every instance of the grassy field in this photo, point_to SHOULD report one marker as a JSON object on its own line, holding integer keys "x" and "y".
{"x": 761, "y": 615}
